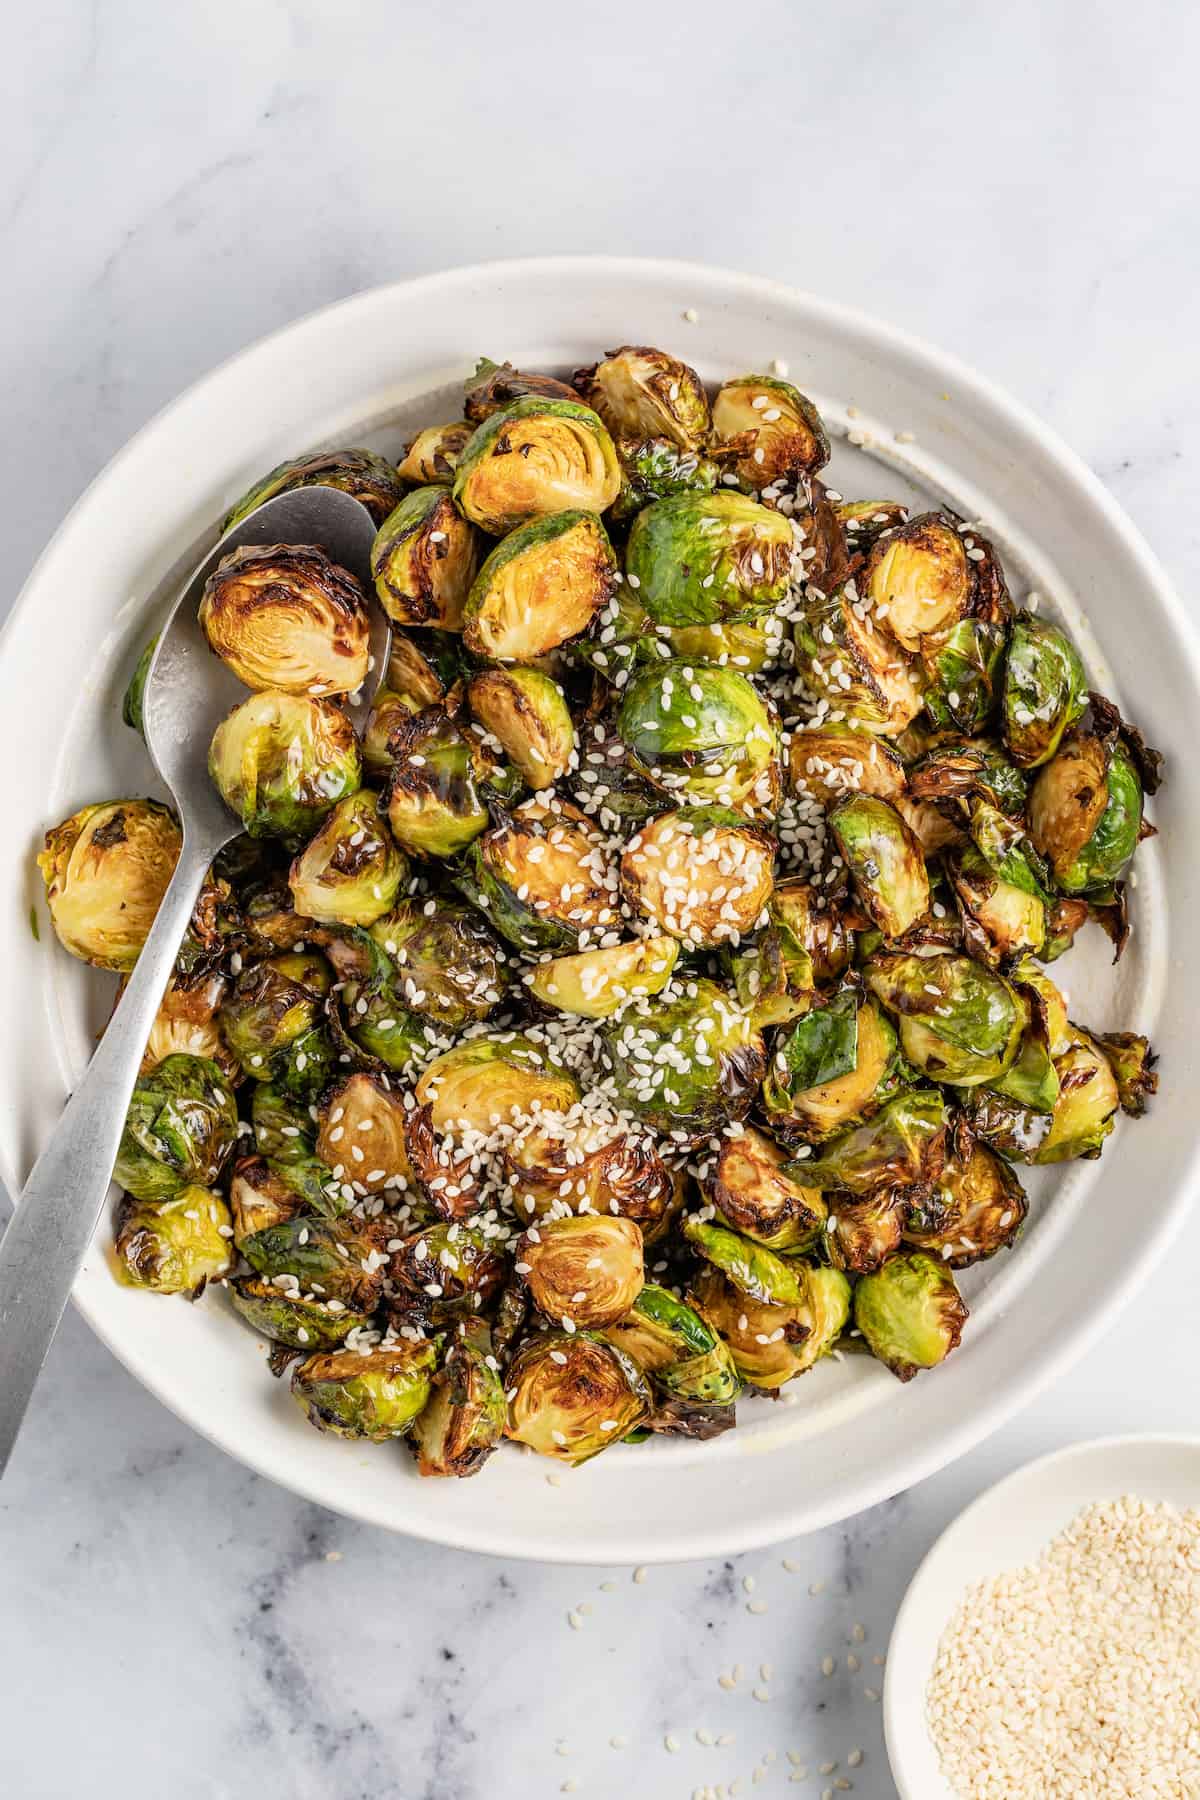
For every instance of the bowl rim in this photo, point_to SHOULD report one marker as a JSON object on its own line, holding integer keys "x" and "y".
{"x": 778, "y": 1520}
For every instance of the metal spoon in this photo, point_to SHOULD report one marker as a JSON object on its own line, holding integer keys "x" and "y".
{"x": 188, "y": 691}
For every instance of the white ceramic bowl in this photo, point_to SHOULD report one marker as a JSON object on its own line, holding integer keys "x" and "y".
{"x": 369, "y": 370}
{"x": 1006, "y": 1527}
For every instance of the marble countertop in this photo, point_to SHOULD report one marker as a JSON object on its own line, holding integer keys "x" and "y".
{"x": 175, "y": 182}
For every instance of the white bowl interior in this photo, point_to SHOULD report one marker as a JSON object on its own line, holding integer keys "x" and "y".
{"x": 368, "y": 371}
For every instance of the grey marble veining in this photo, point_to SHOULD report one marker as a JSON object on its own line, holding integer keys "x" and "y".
{"x": 1018, "y": 185}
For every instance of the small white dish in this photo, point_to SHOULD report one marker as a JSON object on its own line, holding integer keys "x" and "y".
{"x": 1006, "y": 1527}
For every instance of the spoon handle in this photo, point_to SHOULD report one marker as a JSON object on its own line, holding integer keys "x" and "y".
{"x": 49, "y": 1234}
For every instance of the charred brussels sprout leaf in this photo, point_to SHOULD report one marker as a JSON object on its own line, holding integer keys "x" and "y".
{"x": 911, "y": 1313}
{"x": 370, "y": 478}
{"x": 1044, "y": 691}
{"x": 463, "y": 1419}
{"x": 282, "y": 761}
{"x": 494, "y": 386}
{"x": 1085, "y": 813}
{"x": 1132, "y": 1061}
{"x": 834, "y": 1068}
{"x": 885, "y": 860}
{"x": 597, "y": 983}
{"x": 1088, "y": 1100}
{"x": 843, "y": 659}
{"x": 490, "y": 1080}
{"x": 639, "y": 392}
{"x": 442, "y": 778}
{"x": 678, "y": 1349}
{"x": 721, "y": 747}
{"x": 271, "y": 1007}
{"x": 586, "y": 1269}
{"x": 288, "y": 1317}
{"x": 173, "y": 1246}
{"x": 350, "y": 872}
{"x": 654, "y": 468}
{"x": 959, "y": 1022}
{"x": 767, "y": 431}
{"x": 186, "y": 1022}
{"x": 448, "y": 965}
{"x": 964, "y": 675}
{"x": 604, "y": 1171}
{"x": 283, "y": 1128}
{"x": 751, "y": 1267}
{"x": 527, "y": 713}
{"x": 424, "y": 560}
{"x": 433, "y": 454}
{"x": 536, "y": 457}
{"x": 543, "y": 878}
{"x": 106, "y": 869}
{"x": 697, "y": 559}
{"x": 805, "y": 945}
{"x": 771, "y": 1343}
{"x": 977, "y": 1205}
{"x": 689, "y": 1063}
{"x": 285, "y": 617}
{"x": 755, "y": 1195}
{"x": 964, "y": 772}
{"x": 1001, "y": 919}
{"x": 701, "y": 874}
{"x": 904, "y": 1142}
{"x": 374, "y": 1395}
{"x": 543, "y": 584}
{"x": 573, "y": 1404}
{"x": 864, "y": 1230}
{"x": 179, "y": 1129}
{"x": 264, "y": 1192}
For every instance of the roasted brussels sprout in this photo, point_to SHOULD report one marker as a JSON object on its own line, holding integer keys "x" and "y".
{"x": 282, "y": 761}
{"x": 536, "y": 457}
{"x": 686, "y": 1064}
{"x": 179, "y": 1129}
{"x": 975, "y": 1207}
{"x": 486, "y": 1081}
{"x": 767, "y": 431}
{"x": 463, "y": 1419}
{"x": 806, "y": 945}
{"x": 173, "y": 1246}
{"x": 640, "y": 392}
{"x": 959, "y": 1022}
{"x": 186, "y": 1023}
{"x": 272, "y": 1006}
{"x": 919, "y": 575}
{"x": 106, "y": 869}
{"x": 910, "y": 1312}
{"x": 442, "y": 777}
{"x": 424, "y": 560}
{"x": 340, "y": 1260}
{"x": 350, "y": 871}
{"x": 433, "y": 455}
{"x": 754, "y": 1195}
{"x": 835, "y": 1067}
{"x": 362, "y": 1134}
{"x": 771, "y": 1343}
{"x": 543, "y": 878}
{"x": 654, "y": 468}
{"x": 285, "y": 617}
{"x": 1000, "y": 919}
{"x": 864, "y": 1229}
{"x": 561, "y": 1165}
{"x": 287, "y": 1316}
{"x": 571, "y": 1394}
{"x": 904, "y": 1142}
{"x": 447, "y": 963}
{"x": 283, "y": 1127}
{"x": 597, "y": 983}
{"x": 370, "y": 478}
{"x": 860, "y": 671}
{"x": 1088, "y": 1099}
{"x": 1085, "y": 812}
{"x": 451, "y": 1264}
{"x": 585, "y": 1270}
{"x": 494, "y": 386}
{"x": 703, "y": 734}
{"x": 374, "y": 1394}
{"x": 700, "y": 558}
{"x": 964, "y": 674}
{"x": 678, "y": 1349}
{"x": 885, "y": 860}
{"x": 539, "y": 587}
{"x": 701, "y": 874}
{"x": 527, "y": 713}
{"x": 264, "y": 1192}
{"x": 1132, "y": 1061}
{"x": 1044, "y": 690}
{"x": 826, "y": 763}
{"x": 965, "y": 772}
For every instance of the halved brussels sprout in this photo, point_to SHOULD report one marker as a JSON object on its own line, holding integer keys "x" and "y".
{"x": 754, "y": 1194}
{"x": 677, "y": 1348}
{"x": 654, "y": 468}
{"x": 373, "y": 1395}
{"x": 442, "y": 776}
{"x": 186, "y": 1023}
{"x": 369, "y": 477}
{"x": 536, "y": 457}
{"x": 282, "y": 761}
{"x": 340, "y": 1259}
{"x": 494, "y": 386}
{"x": 448, "y": 965}
{"x": 585, "y": 1270}
{"x": 443, "y": 1175}
{"x": 959, "y": 1022}
{"x": 541, "y": 586}
{"x": 701, "y": 874}
{"x": 433, "y": 454}
{"x": 597, "y": 983}
{"x": 859, "y": 671}
{"x": 918, "y": 579}
{"x": 964, "y": 674}
{"x": 543, "y": 878}
{"x": 572, "y": 1394}
{"x": 1085, "y": 812}
{"x": 642, "y": 392}
{"x": 910, "y": 1312}
{"x": 106, "y": 869}
{"x": 527, "y": 713}
{"x": 288, "y": 1317}
{"x": 488, "y": 1081}
{"x": 563, "y": 1165}
{"x": 283, "y": 1126}
{"x": 263, "y": 1193}
{"x": 825, "y": 763}
{"x": 772, "y": 1343}
{"x": 1000, "y": 920}
{"x": 350, "y": 871}
{"x": 904, "y": 1142}
{"x": 965, "y": 772}
{"x": 1045, "y": 690}
{"x": 1046, "y": 1000}
{"x": 180, "y": 1128}
{"x": 833, "y": 1068}
{"x": 750, "y": 1266}
{"x": 864, "y": 1229}
{"x": 806, "y": 945}
{"x": 361, "y": 1137}
{"x": 424, "y": 560}
{"x": 271, "y": 1006}
{"x": 976, "y": 1206}
{"x": 135, "y": 694}
{"x": 687, "y": 1063}
{"x": 286, "y": 617}
{"x": 699, "y": 558}
{"x": 1088, "y": 1100}
{"x": 767, "y": 430}
{"x": 1132, "y": 1061}
{"x": 173, "y": 1246}
{"x": 885, "y": 860}
{"x": 463, "y": 1419}
{"x": 702, "y": 733}
{"x": 455, "y": 1267}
